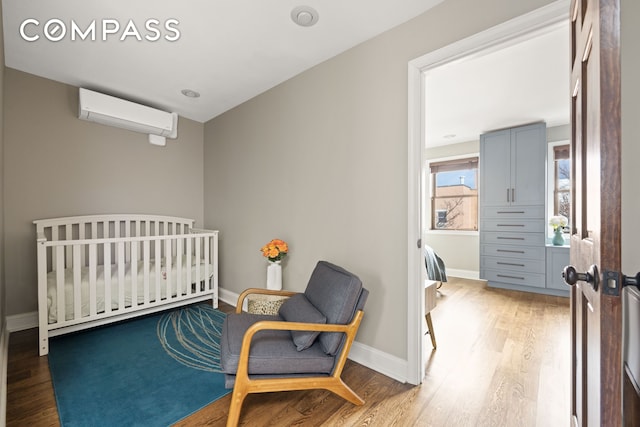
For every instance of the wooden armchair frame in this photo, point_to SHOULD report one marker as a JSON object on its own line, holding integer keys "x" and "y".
{"x": 245, "y": 385}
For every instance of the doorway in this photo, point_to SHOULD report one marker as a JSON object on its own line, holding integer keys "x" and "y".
{"x": 510, "y": 33}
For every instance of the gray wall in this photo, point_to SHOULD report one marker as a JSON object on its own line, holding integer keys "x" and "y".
{"x": 321, "y": 161}
{"x": 57, "y": 165}
{"x": 630, "y": 11}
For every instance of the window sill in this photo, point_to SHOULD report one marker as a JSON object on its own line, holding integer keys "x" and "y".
{"x": 453, "y": 232}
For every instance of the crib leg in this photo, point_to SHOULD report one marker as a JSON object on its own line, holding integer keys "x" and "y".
{"x": 44, "y": 342}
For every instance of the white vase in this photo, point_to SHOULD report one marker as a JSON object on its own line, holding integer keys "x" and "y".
{"x": 274, "y": 275}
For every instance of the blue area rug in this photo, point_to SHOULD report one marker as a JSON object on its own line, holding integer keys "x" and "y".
{"x": 151, "y": 371}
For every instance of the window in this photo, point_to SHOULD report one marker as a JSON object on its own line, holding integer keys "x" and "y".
{"x": 454, "y": 194}
{"x": 562, "y": 181}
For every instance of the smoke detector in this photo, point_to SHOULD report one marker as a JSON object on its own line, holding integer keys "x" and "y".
{"x": 304, "y": 16}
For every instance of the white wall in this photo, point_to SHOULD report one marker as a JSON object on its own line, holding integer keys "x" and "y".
{"x": 321, "y": 162}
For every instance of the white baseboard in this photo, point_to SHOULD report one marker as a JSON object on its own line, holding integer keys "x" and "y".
{"x": 379, "y": 361}
{"x": 4, "y": 360}
{"x": 228, "y": 296}
{"x": 463, "y": 274}
{"x": 21, "y": 322}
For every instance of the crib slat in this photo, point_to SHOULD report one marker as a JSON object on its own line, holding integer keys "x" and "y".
{"x": 188, "y": 261}
{"x": 180, "y": 287}
{"x": 121, "y": 271}
{"x": 107, "y": 277}
{"x": 145, "y": 256}
{"x": 77, "y": 284}
{"x": 198, "y": 262}
{"x": 93, "y": 263}
{"x": 60, "y": 284}
{"x": 81, "y": 236}
{"x": 158, "y": 269}
{"x": 137, "y": 253}
{"x": 127, "y": 234}
{"x": 54, "y": 253}
{"x": 168, "y": 268}
{"x": 134, "y": 273}
{"x": 68, "y": 230}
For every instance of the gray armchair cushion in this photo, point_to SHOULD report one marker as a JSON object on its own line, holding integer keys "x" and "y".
{"x": 298, "y": 309}
{"x": 334, "y": 292}
{"x": 271, "y": 352}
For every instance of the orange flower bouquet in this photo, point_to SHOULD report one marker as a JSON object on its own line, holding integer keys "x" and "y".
{"x": 275, "y": 250}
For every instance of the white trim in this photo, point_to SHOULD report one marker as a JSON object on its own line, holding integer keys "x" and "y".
{"x": 227, "y": 296}
{"x": 463, "y": 274}
{"x": 384, "y": 363}
{"x": 4, "y": 362}
{"x": 453, "y": 232}
{"x": 23, "y": 321}
{"x": 516, "y": 30}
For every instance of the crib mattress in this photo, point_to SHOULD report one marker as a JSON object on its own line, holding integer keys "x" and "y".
{"x": 52, "y": 299}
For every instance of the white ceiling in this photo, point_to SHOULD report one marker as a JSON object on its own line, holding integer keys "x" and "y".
{"x": 228, "y": 50}
{"x": 519, "y": 84}
{"x": 232, "y": 50}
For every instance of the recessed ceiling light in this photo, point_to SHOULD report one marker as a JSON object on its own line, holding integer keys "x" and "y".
{"x": 190, "y": 93}
{"x": 304, "y": 16}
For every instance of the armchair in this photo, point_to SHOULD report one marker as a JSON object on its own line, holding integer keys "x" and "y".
{"x": 305, "y": 346}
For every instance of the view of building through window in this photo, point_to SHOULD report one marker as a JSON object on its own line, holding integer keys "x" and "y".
{"x": 454, "y": 194}
{"x": 562, "y": 181}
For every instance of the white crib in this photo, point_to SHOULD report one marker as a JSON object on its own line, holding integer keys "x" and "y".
{"x": 99, "y": 269}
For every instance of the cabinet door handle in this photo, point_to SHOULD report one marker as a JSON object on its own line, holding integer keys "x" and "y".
{"x": 509, "y": 251}
{"x": 509, "y": 238}
{"x": 510, "y": 263}
{"x": 513, "y": 194}
{"x": 508, "y": 200}
{"x": 510, "y": 277}
{"x": 510, "y": 225}
{"x": 510, "y": 212}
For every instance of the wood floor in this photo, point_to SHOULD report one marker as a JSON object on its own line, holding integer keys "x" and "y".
{"x": 502, "y": 360}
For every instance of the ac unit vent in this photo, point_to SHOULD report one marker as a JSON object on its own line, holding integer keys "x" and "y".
{"x": 109, "y": 110}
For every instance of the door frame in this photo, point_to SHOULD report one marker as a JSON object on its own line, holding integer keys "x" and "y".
{"x": 516, "y": 30}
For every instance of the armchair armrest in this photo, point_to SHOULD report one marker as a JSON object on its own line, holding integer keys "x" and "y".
{"x": 349, "y": 329}
{"x": 262, "y": 291}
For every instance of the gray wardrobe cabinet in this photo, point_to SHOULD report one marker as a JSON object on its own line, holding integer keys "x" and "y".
{"x": 512, "y": 207}
{"x": 512, "y": 166}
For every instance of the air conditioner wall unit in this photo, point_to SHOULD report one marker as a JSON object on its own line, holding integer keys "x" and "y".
{"x": 109, "y": 110}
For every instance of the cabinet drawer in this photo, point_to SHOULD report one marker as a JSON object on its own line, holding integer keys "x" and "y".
{"x": 513, "y": 225}
{"x": 514, "y": 264}
{"x": 513, "y": 212}
{"x": 505, "y": 251}
{"x": 523, "y": 279}
{"x": 520, "y": 239}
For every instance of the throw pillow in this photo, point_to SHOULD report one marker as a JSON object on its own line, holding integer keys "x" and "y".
{"x": 298, "y": 309}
